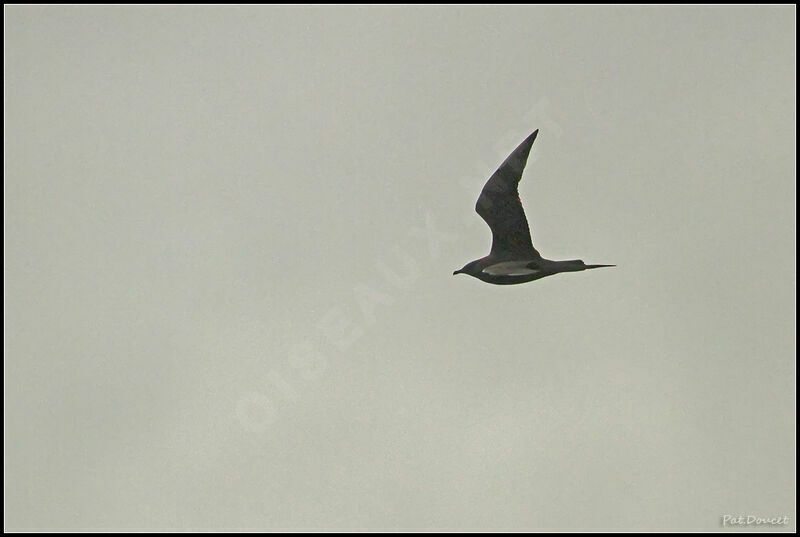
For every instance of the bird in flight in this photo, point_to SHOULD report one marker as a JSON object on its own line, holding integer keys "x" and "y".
{"x": 513, "y": 259}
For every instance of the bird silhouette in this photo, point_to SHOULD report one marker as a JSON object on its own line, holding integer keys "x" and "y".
{"x": 513, "y": 259}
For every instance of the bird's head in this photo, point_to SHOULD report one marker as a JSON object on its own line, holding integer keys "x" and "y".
{"x": 466, "y": 269}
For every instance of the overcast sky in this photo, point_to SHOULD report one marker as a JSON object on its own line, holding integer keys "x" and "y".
{"x": 229, "y": 242}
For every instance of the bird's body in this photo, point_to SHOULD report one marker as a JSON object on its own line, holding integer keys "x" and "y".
{"x": 513, "y": 259}
{"x": 512, "y": 272}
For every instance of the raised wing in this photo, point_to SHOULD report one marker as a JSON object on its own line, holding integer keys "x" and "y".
{"x": 499, "y": 205}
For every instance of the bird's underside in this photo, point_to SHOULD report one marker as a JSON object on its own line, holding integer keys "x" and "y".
{"x": 512, "y": 258}
{"x": 500, "y": 272}
{"x": 509, "y": 272}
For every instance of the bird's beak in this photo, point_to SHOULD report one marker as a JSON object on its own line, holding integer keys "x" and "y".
{"x": 457, "y": 272}
{"x": 599, "y": 266}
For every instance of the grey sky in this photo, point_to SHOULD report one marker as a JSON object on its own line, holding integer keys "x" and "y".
{"x": 201, "y": 203}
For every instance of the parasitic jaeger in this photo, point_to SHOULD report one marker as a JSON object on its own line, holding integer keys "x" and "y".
{"x": 512, "y": 259}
